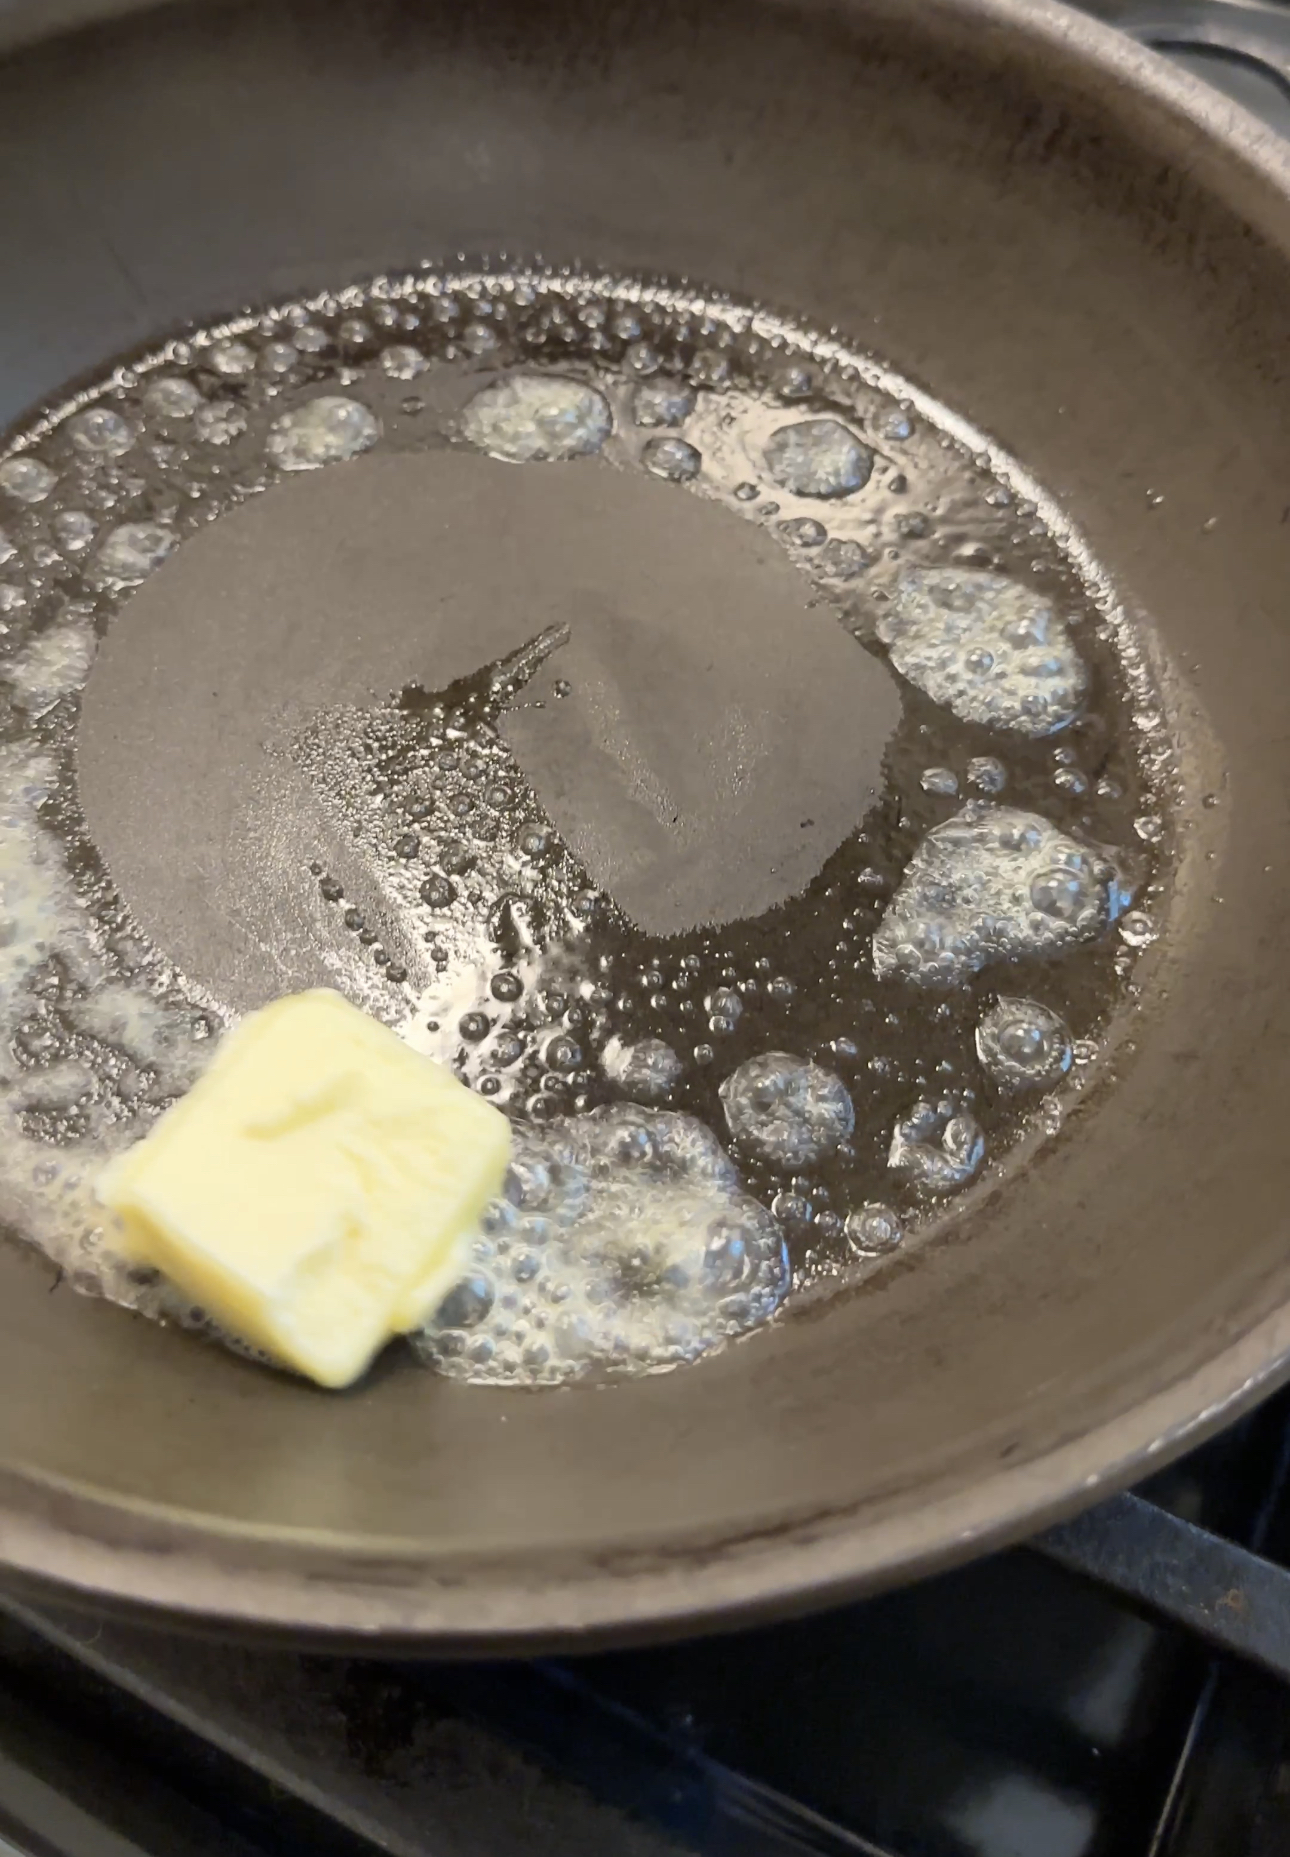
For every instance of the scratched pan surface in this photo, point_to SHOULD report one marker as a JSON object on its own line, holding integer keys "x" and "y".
{"x": 1092, "y": 262}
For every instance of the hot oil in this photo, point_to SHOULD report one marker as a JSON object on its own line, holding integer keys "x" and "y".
{"x": 708, "y": 1119}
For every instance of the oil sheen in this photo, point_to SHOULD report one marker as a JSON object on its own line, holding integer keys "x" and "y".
{"x": 708, "y": 1121}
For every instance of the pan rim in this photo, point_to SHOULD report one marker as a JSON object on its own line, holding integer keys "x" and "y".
{"x": 174, "y": 1566}
{"x": 58, "y": 1538}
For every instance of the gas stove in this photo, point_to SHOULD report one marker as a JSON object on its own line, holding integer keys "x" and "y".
{"x": 1119, "y": 1687}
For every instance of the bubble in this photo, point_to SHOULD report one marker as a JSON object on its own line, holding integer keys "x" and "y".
{"x": 55, "y": 663}
{"x": 537, "y": 419}
{"x": 673, "y": 458}
{"x": 873, "y": 1229}
{"x": 26, "y": 479}
{"x": 75, "y": 529}
{"x": 990, "y": 884}
{"x": 231, "y": 358}
{"x": 993, "y": 651}
{"x": 631, "y": 1141}
{"x": 468, "y": 1304}
{"x": 1023, "y": 1044}
{"x": 938, "y": 1147}
{"x": 403, "y": 362}
{"x": 478, "y": 339}
{"x": 325, "y": 430}
{"x": 1063, "y": 893}
{"x": 506, "y": 986}
{"x": 648, "y": 1070}
{"x": 99, "y": 432}
{"x": 791, "y": 1209}
{"x": 788, "y": 1112}
{"x": 818, "y": 458}
{"x": 641, "y": 358}
{"x": 710, "y": 369}
{"x": 133, "y": 549}
{"x": 1138, "y": 929}
{"x": 474, "y": 1026}
{"x": 986, "y": 774}
{"x": 803, "y": 532}
{"x": 508, "y": 1049}
{"x": 437, "y": 892}
{"x": 725, "y": 1003}
{"x": 278, "y": 357}
{"x": 781, "y": 989}
{"x": 1150, "y": 828}
{"x": 562, "y": 1053}
{"x": 725, "y": 1252}
{"x": 7, "y": 548}
{"x": 662, "y": 403}
{"x": 939, "y": 780}
{"x": 632, "y": 1245}
{"x": 839, "y": 560}
{"x": 171, "y": 397}
{"x": 219, "y": 422}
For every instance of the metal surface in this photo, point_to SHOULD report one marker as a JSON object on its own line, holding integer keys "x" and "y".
{"x": 1084, "y": 253}
{"x": 1231, "y": 1598}
{"x": 1252, "y": 35}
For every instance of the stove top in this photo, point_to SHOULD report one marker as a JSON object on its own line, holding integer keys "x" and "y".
{"x": 1118, "y": 1688}
{"x": 1019, "y": 1707}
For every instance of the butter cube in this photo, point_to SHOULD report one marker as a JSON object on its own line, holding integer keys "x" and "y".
{"x": 316, "y": 1188}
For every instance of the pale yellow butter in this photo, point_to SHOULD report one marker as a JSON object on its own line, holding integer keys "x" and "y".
{"x": 316, "y": 1188}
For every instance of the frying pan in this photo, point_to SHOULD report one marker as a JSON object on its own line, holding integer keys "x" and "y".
{"x": 1085, "y": 254}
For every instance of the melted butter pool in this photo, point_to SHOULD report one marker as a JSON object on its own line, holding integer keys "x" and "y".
{"x": 708, "y": 1120}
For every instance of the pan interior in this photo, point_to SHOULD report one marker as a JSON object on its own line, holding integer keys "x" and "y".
{"x": 682, "y": 730}
{"x": 859, "y": 169}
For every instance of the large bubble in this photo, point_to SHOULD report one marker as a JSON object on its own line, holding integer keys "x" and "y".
{"x": 624, "y": 1241}
{"x": 537, "y": 419}
{"x": 325, "y": 430}
{"x": 989, "y": 648}
{"x": 818, "y": 458}
{"x": 1023, "y": 1045}
{"x": 785, "y": 1111}
{"x": 991, "y": 884}
{"x": 938, "y": 1147}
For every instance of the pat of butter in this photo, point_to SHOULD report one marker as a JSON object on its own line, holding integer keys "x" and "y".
{"x": 316, "y": 1188}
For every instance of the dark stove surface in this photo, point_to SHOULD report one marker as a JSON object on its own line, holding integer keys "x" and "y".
{"x": 1010, "y": 1709}
{"x": 1015, "y": 1708}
